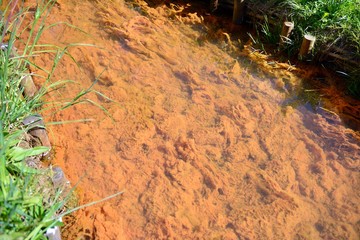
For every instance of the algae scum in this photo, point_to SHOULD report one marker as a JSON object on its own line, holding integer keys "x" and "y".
{"x": 203, "y": 148}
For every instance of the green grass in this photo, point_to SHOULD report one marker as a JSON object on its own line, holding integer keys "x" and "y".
{"x": 331, "y": 21}
{"x": 334, "y": 23}
{"x": 28, "y": 203}
{"x": 25, "y": 211}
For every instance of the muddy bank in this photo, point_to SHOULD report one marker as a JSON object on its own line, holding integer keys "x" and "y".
{"x": 203, "y": 147}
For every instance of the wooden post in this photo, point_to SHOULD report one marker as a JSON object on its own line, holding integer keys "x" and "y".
{"x": 286, "y": 30}
{"x": 239, "y": 11}
{"x": 307, "y": 44}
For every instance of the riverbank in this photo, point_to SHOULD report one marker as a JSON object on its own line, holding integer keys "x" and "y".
{"x": 205, "y": 145}
{"x": 29, "y": 200}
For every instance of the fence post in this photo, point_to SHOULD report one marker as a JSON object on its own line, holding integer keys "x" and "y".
{"x": 238, "y": 11}
{"x": 286, "y": 30}
{"x": 307, "y": 44}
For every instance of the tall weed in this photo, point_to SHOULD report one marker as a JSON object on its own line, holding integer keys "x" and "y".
{"x": 27, "y": 209}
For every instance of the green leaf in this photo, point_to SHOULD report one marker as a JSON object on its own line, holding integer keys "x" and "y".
{"x": 18, "y": 153}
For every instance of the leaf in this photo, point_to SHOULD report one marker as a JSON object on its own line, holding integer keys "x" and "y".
{"x": 18, "y": 153}
{"x": 25, "y": 169}
{"x": 325, "y": 15}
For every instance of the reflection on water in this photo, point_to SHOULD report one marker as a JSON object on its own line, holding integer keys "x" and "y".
{"x": 203, "y": 148}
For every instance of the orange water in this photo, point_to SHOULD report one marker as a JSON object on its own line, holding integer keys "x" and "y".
{"x": 203, "y": 147}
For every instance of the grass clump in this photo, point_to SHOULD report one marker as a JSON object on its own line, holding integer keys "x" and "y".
{"x": 27, "y": 206}
{"x": 334, "y": 23}
{"x": 29, "y": 203}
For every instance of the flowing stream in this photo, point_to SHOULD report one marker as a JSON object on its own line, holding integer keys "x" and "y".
{"x": 204, "y": 146}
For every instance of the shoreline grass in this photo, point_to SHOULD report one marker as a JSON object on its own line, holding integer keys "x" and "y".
{"x": 29, "y": 203}
{"x": 27, "y": 206}
{"x": 334, "y": 23}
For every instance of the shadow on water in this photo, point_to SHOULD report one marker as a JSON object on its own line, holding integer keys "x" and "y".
{"x": 320, "y": 87}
